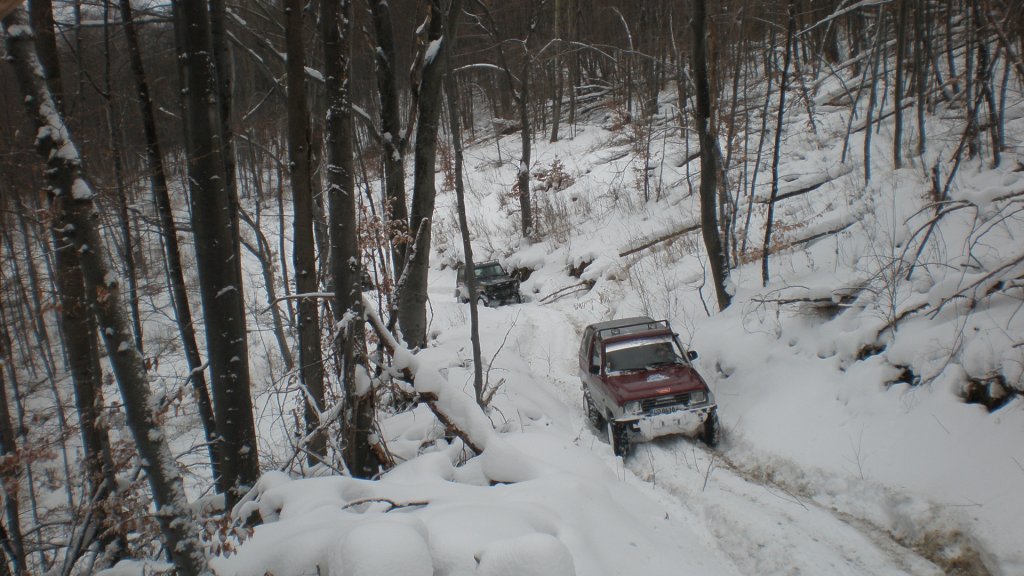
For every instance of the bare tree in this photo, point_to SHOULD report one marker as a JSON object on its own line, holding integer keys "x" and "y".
{"x": 214, "y": 225}
{"x": 11, "y": 539}
{"x": 520, "y": 86}
{"x": 350, "y": 339}
{"x": 777, "y": 152}
{"x": 72, "y": 195}
{"x": 393, "y": 142}
{"x": 311, "y": 372}
{"x": 455, "y": 128}
{"x": 169, "y": 238}
{"x": 79, "y": 329}
{"x": 412, "y": 287}
{"x": 709, "y": 155}
{"x": 903, "y": 7}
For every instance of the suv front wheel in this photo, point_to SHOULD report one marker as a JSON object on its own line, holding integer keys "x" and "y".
{"x": 593, "y": 413}
{"x": 710, "y": 434}
{"x": 618, "y": 437}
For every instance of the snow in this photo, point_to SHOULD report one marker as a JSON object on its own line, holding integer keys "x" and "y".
{"x": 432, "y": 51}
{"x": 830, "y": 462}
{"x": 314, "y": 74}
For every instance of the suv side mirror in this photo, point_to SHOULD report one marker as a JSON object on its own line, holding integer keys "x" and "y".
{"x": 595, "y": 369}
{"x": 691, "y": 355}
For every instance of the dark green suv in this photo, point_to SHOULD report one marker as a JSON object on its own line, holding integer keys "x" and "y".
{"x": 494, "y": 286}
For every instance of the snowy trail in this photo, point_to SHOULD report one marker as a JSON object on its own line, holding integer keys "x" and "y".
{"x": 758, "y": 527}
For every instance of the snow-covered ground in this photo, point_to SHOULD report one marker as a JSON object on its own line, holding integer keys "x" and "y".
{"x": 847, "y": 446}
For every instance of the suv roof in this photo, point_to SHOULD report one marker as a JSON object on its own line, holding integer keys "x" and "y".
{"x": 626, "y": 326}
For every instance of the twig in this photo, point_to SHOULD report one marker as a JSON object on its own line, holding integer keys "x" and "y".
{"x": 707, "y": 474}
{"x": 392, "y": 503}
{"x": 660, "y": 239}
{"x": 562, "y": 292}
{"x": 487, "y": 375}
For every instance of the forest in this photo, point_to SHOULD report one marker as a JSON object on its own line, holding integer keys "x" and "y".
{"x": 223, "y": 224}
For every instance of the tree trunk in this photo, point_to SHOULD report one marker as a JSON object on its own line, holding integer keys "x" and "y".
{"x": 708, "y": 157}
{"x": 467, "y": 247}
{"x": 311, "y": 371}
{"x": 12, "y": 540}
{"x": 984, "y": 83}
{"x": 169, "y": 235}
{"x": 79, "y": 329}
{"x": 901, "y": 50}
{"x": 72, "y": 195}
{"x": 222, "y": 73}
{"x": 412, "y": 287}
{"x": 873, "y": 97}
{"x": 124, "y": 223}
{"x": 525, "y": 135}
{"x": 556, "y": 100}
{"x": 391, "y": 127}
{"x": 776, "y": 153}
{"x": 357, "y": 419}
{"x": 921, "y": 70}
{"x": 217, "y": 256}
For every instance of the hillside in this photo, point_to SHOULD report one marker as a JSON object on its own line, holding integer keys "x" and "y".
{"x": 236, "y": 336}
{"x": 850, "y": 446}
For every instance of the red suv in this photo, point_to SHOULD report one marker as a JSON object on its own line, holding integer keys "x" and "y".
{"x": 639, "y": 383}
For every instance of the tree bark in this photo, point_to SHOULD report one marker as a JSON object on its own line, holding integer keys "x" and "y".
{"x": 12, "y": 540}
{"x": 79, "y": 327}
{"x": 114, "y": 132}
{"x": 311, "y": 372}
{"x": 455, "y": 127}
{"x": 391, "y": 127}
{"x": 708, "y": 157}
{"x": 169, "y": 235}
{"x": 556, "y": 100}
{"x": 412, "y": 287}
{"x": 350, "y": 339}
{"x": 71, "y": 194}
{"x": 901, "y": 65}
{"x": 776, "y": 153}
{"x": 214, "y": 224}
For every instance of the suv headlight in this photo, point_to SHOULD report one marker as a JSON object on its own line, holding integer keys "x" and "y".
{"x": 698, "y": 397}
{"x": 631, "y": 408}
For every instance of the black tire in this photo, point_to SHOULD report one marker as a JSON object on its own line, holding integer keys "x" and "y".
{"x": 618, "y": 437}
{"x": 519, "y": 298}
{"x": 712, "y": 430}
{"x": 482, "y": 300}
{"x": 593, "y": 413}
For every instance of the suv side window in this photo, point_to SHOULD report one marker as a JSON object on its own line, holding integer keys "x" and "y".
{"x": 595, "y": 355}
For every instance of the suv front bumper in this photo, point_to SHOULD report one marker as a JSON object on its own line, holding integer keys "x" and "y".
{"x": 645, "y": 427}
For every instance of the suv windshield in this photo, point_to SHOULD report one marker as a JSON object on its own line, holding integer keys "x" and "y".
{"x": 641, "y": 354}
{"x": 488, "y": 271}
